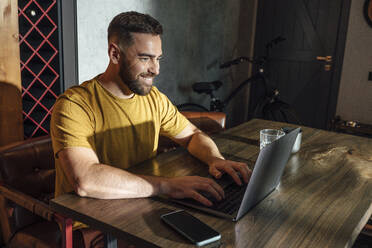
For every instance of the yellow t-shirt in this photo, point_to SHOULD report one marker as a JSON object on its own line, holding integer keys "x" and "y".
{"x": 122, "y": 132}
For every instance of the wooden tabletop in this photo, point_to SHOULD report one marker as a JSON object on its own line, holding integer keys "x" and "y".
{"x": 324, "y": 198}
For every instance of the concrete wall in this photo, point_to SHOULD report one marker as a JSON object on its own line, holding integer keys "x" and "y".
{"x": 198, "y": 36}
{"x": 355, "y": 94}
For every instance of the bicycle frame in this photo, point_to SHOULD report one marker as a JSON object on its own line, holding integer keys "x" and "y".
{"x": 255, "y": 77}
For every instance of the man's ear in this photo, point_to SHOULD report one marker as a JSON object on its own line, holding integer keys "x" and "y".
{"x": 114, "y": 53}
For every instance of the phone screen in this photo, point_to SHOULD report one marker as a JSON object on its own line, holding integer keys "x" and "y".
{"x": 195, "y": 230}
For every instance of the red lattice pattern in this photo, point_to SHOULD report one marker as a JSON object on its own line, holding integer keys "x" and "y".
{"x": 37, "y": 65}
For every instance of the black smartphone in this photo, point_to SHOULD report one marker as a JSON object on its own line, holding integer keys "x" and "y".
{"x": 192, "y": 228}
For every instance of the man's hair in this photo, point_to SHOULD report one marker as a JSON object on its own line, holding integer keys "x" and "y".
{"x": 126, "y": 23}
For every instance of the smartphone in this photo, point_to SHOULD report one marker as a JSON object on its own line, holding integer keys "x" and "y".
{"x": 192, "y": 228}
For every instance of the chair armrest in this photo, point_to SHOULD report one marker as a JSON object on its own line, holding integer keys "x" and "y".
{"x": 40, "y": 208}
{"x": 33, "y": 205}
{"x": 210, "y": 121}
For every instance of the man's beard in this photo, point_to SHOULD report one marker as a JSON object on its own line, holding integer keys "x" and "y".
{"x": 134, "y": 85}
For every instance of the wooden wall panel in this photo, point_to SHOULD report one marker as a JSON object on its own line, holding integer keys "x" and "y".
{"x": 11, "y": 124}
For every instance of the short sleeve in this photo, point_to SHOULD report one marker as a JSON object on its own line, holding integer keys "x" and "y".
{"x": 172, "y": 121}
{"x": 72, "y": 125}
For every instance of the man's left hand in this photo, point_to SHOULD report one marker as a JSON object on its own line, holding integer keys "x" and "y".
{"x": 220, "y": 166}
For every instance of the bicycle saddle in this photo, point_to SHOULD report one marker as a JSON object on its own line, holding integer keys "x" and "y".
{"x": 206, "y": 87}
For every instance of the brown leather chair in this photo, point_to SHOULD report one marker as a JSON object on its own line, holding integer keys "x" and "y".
{"x": 208, "y": 122}
{"x": 26, "y": 185}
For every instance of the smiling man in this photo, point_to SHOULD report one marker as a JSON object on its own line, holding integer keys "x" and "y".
{"x": 107, "y": 124}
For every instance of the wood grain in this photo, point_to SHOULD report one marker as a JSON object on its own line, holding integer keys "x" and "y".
{"x": 11, "y": 123}
{"x": 324, "y": 198}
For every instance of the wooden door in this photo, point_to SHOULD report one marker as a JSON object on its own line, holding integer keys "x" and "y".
{"x": 306, "y": 67}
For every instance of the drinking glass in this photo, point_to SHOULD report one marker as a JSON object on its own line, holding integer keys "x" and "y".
{"x": 269, "y": 135}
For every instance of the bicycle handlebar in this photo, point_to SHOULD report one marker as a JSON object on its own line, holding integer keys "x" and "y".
{"x": 260, "y": 60}
{"x": 235, "y": 62}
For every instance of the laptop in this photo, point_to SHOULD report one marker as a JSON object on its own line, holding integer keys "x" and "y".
{"x": 265, "y": 178}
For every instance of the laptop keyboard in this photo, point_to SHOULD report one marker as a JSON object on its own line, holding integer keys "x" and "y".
{"x": 233, "y": 196}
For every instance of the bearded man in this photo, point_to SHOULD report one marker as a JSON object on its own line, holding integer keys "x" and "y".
{"x": 113, "y": 121}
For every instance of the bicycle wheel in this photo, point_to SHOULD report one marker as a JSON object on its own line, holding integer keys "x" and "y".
{"x": 191, "y": 107}
{"x": 280, "y": 111}
{"x": 259, "y": 110}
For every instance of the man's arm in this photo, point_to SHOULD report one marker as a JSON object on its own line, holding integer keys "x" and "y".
{"x": 203, "y": 147}
{"x": 92, "y": 179}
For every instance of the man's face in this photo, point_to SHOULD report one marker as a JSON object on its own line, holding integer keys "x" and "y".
{"x": 139, "y": 63}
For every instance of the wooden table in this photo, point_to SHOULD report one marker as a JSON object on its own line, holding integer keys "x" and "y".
{"x": 324, "y": 198}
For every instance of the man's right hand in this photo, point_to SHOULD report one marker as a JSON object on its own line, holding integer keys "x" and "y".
{"x": 190, "y": 186}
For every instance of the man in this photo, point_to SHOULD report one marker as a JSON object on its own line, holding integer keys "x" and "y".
{"x": 113, "y": 121}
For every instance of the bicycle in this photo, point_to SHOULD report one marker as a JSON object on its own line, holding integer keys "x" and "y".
{"x": 269, "y": 107}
